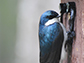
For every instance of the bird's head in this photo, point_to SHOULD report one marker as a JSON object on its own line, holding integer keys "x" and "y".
{"x": 48, "y": 15}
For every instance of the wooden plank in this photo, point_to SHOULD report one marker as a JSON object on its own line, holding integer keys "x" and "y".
{"x": 78, "y": 44}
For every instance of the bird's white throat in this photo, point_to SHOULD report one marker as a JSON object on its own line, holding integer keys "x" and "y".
{"x": 51, "y": 21}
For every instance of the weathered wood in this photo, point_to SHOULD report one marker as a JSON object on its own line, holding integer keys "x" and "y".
{"x": 78, "y": 44}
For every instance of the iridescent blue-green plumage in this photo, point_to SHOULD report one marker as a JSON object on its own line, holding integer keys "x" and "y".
{"x": 51, "y": 38}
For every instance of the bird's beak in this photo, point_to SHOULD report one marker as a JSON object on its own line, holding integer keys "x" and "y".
{"x": 58, "y": 16}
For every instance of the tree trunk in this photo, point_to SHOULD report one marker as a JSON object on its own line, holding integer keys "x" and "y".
{"x": 78, "y": 42}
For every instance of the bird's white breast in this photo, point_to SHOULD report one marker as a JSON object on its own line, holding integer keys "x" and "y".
{"x": 52, "y": 21}
{"x": 63, "y": 52}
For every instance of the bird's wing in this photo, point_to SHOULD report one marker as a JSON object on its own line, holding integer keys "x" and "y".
{"x": 51, "y": 39}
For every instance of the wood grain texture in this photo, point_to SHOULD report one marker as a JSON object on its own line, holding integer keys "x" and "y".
{"x": 78, "y": 44}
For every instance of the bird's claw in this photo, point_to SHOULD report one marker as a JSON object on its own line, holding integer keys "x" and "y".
{"x": 71, "y": 34}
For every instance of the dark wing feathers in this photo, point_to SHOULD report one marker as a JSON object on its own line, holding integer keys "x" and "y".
{"x": 51, "y": 39}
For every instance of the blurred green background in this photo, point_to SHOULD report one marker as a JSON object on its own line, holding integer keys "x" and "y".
{"x": 8, "y": 14}
{"x": 19, "y": 21}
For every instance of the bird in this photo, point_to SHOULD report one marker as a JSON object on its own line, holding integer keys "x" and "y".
{"x": 52, "y": 38}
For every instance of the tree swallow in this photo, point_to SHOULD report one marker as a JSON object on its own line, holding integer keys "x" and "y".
{"x": 52, "y": 38}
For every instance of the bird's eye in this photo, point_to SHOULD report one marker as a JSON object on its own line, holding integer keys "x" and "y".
{"x": 47, "y": 16}
{"x": 50, "y": 17}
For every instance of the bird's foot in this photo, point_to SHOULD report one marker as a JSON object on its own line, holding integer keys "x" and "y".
{"x": 71, "y": 34}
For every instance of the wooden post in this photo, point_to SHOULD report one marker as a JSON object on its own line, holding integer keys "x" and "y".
{"x": 78, "y": 43}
